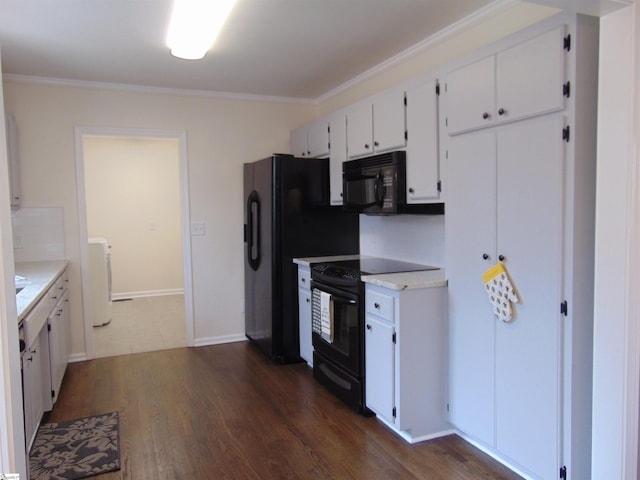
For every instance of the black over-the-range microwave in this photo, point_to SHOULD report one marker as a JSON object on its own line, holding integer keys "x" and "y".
{"x": 376, "y": 185}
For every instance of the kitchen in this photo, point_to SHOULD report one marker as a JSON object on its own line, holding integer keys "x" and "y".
{"x": 49, "y": 114}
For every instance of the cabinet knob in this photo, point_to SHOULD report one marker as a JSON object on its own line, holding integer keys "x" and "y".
{"x": 308, "y": 300}
{"x": 366, "y": 146}
{"x": 376, "y": 305}
{"x": 485, "y": 256}
{"x": 304, "y": 280}
{"x": 340, "y": 193}
{"x": 501, "y": 111}
{"x": 376, "y": 144}
{"x": 501, "y": 258}
{"x": 308, "y": 152}
{"x": 485, "y": 115}
{"x": 369, "y": 327}
{"x": 411, "y": 190}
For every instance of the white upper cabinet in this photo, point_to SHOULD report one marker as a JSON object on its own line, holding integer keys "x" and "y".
{"x": 423, "y": 173}
{"x": 311, "y": 141}
{"x": 337, "y": 155}
{"x": 378, "y": 126}
{"x": 525, "y": 80}
{"x": 14, "y": 160}
{"x": 318, "y": 138}
{"x": 471, "y": 96}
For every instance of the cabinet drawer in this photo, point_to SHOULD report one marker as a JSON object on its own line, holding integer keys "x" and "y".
{"x": 35, "y": 321}
{"x": 379, "y": 304}
{"x": 56, "y": 290}
{"x": 304, "y": 278}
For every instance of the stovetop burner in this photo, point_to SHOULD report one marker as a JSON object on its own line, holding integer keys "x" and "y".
{"x": 377, "y": 265}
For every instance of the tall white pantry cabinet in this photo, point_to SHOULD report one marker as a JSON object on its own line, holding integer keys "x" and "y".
{"x": 519, "y": 141}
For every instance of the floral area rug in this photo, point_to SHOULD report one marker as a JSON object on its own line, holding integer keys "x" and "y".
{"x": 76, "y": 448}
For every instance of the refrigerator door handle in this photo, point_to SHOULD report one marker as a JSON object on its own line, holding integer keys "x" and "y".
{"x": 253, "y": 220}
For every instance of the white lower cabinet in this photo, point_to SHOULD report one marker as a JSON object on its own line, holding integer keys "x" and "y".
{"x": 304, "y": 313}
{"x": 44, "y": 361}
{"x": 406, "y": 360}
{"x": 35, "y": 365}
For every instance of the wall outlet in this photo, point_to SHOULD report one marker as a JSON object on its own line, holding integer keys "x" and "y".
{"x": 198, "y": 228}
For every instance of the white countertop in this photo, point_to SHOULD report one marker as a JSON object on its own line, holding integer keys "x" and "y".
{"x": 408, "y": 280}
{"x": 40, "y": 275}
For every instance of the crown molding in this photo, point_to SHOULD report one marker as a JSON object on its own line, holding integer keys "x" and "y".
{"x": 129, "y": 88}
{"x": 473, "y": 19}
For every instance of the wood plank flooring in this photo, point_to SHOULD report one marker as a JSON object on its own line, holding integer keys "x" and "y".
{"x": 227, "y": 412}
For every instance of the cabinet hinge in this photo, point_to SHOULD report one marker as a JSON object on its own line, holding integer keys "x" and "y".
{"x": 48, "y": 327}
{"x": 406, "y": 135}
{"x": 438, "y": 89}
{"x": 447, "y": 407}
{"x": 566, "y": 89}
{"x": 53, "y": 393}
{"x": 567, "y": 43}
{"x": 563, "y": 473}
{"x": 446, "y": 121}
{"x": 566, "y": 134}
{"x": 329, "y": 145}
{"x": 564, "y": 308}
{"x": 439, "y": 185}
{"x": 405, "y": 100}
{"x": 393, "y": 412}
{"x": 393, "y": 338}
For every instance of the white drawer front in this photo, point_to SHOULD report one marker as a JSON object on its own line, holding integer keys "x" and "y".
{"x": 379, "y": 304}
{"x": 35, "y": 321}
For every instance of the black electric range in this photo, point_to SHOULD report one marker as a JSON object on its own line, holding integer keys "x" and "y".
{"x": 337, "y": 329}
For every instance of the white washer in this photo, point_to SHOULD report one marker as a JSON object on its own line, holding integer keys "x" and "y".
{"x": 100, "y": 281}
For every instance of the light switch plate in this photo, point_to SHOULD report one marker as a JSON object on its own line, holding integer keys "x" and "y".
{"x": 198, "y": 228}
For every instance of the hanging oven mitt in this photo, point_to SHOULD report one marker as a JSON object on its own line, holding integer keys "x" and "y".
{"x": 501, "y": 292}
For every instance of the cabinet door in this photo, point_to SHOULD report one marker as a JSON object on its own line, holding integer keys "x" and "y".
{"x": 470, "y": 234}
{"x": 58, "y": 344}
{"x": 13, "y": 160}
{"x": 528, "y": 350}
{"x": 380, "y": 366}
{"x": 318, "y": 139}
{"x": 298, "y": 142}
{"x": 337, "y": 155}
{"x": 470, "y": 96}
{"x": 389, "y": 123}
{"x": 304, "y": 314}
{"x": 422, "y": 144}
{"x": 360, "y": 131}
{"x": 530, "y": 77}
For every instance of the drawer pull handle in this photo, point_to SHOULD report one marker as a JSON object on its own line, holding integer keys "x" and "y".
{"x": 369, "y": 327}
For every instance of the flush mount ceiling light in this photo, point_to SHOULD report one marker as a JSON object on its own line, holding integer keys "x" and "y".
{"x": 194, "y": 26}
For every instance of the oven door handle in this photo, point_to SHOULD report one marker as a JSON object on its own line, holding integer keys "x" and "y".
{"x": 343, "y": 300}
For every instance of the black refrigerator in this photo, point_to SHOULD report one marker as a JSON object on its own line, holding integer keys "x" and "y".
{"x": 287, "y": 215}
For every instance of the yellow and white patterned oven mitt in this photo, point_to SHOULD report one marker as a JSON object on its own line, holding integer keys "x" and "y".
{"x": 501, "y": 292}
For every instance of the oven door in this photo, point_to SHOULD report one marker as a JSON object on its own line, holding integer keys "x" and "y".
{"x": 344, "y": 343}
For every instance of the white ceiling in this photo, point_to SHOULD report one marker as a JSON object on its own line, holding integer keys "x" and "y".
{"x": 278, "y": 48}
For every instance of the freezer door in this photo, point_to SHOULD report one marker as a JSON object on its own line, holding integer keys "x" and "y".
{"x": 258, "y": 265}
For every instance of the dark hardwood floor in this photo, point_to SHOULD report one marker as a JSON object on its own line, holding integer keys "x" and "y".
{"x": 226, "y": 411}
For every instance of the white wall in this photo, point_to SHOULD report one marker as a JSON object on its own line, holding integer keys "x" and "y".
{"x": 614, "y": 329}
{"x": 132, "y": 187}
{"x": 221, "y": 135}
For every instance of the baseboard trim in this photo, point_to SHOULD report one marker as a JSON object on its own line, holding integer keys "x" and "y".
{"x": 493, "y": 454}
{"x": 147, "y": 293}
{"x": 206, "y": 341}
{"x": 77, "y": 357}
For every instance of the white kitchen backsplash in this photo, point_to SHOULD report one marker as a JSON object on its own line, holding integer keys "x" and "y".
{"x": 38, "y": 234}
{"x": 411, "y": 238}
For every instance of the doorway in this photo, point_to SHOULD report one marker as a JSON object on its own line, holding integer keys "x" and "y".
{"x": 132, "y": 189}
